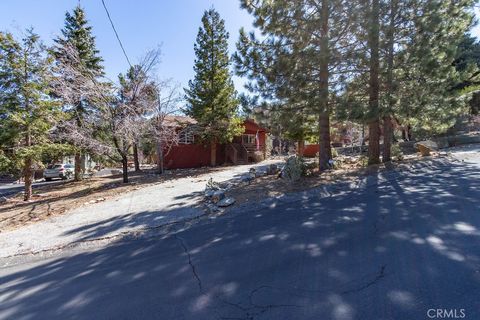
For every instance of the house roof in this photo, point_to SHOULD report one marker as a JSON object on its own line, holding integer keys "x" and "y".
{"x": 251, "y": 125}
{"x": 183, "y": 121}
{"x": 179, "y": 121}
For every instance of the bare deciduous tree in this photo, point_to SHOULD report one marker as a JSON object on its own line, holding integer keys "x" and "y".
{"x": 164, "y": 129}
{"x": 139, "y": 105}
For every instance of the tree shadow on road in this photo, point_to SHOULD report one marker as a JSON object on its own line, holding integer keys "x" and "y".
{"x": 392, "y": 250}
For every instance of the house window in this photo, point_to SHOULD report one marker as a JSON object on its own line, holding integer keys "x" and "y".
{"x": 248, "y": 139}
{"x": 186, "y": 136}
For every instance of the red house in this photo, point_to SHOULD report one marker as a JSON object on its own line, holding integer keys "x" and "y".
{"x": 191, "y": 153}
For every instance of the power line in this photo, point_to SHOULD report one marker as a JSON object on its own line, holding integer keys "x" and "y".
{"x": 116, "y": 33}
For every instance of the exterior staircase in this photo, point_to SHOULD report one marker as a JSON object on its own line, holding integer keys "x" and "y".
{"x": 237, "y": 154}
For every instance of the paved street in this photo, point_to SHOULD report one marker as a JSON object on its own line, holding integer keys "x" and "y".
{"x": 392, "y": 250}
{"x": 148, "y": 207}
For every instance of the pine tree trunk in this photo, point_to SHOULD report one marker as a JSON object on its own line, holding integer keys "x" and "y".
{"x": 213, "y": 153}
{"x": 27, "y": 170}
{"x": 474, "y": 104}
{"x": 387, "y": 119}
{"x": 78, "y": 166}
{"x": 28, "y": 176}
{"x": 374, "y": 142}
{"x": 77, "y": 175}
{"x": 301, "y": 147}
{"x": 404, "y": 134}
{"x": 325, "y": 149}
{"x": 387, "y": 139}
{"x": 125, "y": 169}
{"x": 135, "y": 158}
{"x": 363, "y": 134}
{"x": 374, "y": 86}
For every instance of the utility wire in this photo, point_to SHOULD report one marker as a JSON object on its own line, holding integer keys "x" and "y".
{"x": 116, "y": 33}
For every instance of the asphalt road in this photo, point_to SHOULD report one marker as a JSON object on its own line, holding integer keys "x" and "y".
{"x": 395, "y": 250}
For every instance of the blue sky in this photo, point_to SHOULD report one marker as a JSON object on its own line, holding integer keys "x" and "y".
{"x": 141, "y": 24}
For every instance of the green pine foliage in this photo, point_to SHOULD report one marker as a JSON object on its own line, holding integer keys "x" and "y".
{"x": 26, "y": 110}
{"x": 78, "y": 34}
{"x": 468, "y": 61}
{"x": 427, "y": 77}
{"x": 421, "y": 65}
{"x": 211, "y": 95}
{"x": 299, "y": 62}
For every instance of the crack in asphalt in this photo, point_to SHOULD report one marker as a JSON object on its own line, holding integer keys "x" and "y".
{"x": 253, "y": 310}
{"x": 378, "y": 277}
{"x": 192, "y": 266}
{"x": 268, "y": 306}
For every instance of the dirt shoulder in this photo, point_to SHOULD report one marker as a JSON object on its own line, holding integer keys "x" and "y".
{"x": 271, "y": 186}
{"x": 55, "y": 200}
{"x": 352, "y": 171}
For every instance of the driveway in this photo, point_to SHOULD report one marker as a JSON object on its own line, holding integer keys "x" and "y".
{"x": 147, "y": 207}
{"x": 468, "y": 154}
{"x": 407, "y": 248}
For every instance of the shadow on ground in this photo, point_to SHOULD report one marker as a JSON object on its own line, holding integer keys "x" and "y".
{"x": 391, "y": 251}
{"x": 58, "y": 196}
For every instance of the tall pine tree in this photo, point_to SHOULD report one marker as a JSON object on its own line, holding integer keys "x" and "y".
{"x": 374, "y": 82}
{"x": 211, "y": 95}
{"x": 26, "y": 112}
{"x": 78, "y": 33}
{"x": 425, "y": 74}
{"x": 301, "y": 59}
{"x": 408, "y": 67}
{"x": 468, "y": 59}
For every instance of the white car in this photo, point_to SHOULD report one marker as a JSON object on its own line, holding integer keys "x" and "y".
{"x": 63, "y": 171}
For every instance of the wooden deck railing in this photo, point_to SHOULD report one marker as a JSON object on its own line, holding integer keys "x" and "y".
{"x": 241, "y": 153}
